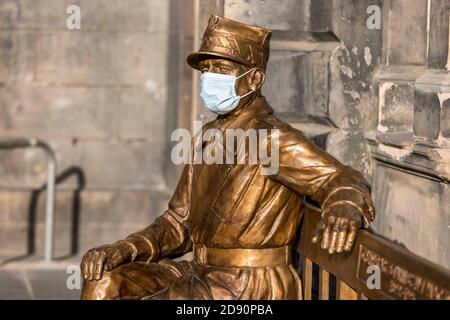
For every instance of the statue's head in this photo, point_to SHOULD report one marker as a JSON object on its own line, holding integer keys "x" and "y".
{"x": 232, "y": 48}
{"x": 224, "y": 38}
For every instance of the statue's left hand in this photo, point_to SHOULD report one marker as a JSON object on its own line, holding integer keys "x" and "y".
{"x": 106, "y": 257}
{"x": 338, "y": 230}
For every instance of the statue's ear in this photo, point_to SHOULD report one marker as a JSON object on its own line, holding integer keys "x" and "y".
{"x": 257, "y": 79}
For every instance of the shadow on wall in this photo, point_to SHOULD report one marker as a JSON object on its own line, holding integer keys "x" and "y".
{"x": 75, "y": 215}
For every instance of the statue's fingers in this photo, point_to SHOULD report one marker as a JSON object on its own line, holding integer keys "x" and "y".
{"x": 85, "y": 264}
{"x": 351, "y": 236}
{"x": 334, "y": 235}
{"x": 342, "y": 236}
{"x": 91, "y": 266}
{"x": 318, "y": 231}
{"x": 99, "y": 264}
{"x": 326, "y": 233}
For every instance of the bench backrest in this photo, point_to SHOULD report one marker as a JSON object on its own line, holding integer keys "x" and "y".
{"x": 403, "y": 275}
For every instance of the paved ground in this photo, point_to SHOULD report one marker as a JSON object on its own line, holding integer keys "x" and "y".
{"x": 34, "y": 279}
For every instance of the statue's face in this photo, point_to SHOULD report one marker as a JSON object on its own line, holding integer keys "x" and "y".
{"x": 250, "y": 82}
{"x": 228, "y": 67}
{"x": 222, "y": 66}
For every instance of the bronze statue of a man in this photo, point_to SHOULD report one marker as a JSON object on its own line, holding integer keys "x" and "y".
{"x": 239, "y": 222}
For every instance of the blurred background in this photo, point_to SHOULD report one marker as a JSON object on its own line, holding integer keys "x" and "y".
{"x": 367, "y": 80}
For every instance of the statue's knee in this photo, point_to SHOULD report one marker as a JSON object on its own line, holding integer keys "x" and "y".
{"x": 120, "y": 283}
{"x": 104, "y": 289}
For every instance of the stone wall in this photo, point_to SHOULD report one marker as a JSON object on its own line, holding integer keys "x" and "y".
{"x": 412, "y": 145}
{"x": 98, "y": 96}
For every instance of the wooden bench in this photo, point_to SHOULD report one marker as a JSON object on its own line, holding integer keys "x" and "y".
{"x": 403, "y": 275}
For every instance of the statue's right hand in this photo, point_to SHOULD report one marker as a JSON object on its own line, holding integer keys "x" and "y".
{"x": 104, "y": 258}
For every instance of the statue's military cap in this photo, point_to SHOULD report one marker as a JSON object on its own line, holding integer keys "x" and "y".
{"x": 239, "y": 42}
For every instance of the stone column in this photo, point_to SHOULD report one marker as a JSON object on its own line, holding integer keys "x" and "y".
{"x": 411, "y": 145}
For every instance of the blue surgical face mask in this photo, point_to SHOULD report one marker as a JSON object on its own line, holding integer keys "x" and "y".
{"x": 218, "y": 92}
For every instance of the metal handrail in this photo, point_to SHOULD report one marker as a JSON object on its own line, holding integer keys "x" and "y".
{"x": 17, "y": 143}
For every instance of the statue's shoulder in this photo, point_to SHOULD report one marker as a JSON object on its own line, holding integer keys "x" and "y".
{"x": 208, "y": 125}
{"x": 270, "y": 121}
{"x": 287, "y": 134}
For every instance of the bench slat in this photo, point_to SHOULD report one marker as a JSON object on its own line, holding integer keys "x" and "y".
{"x": 344, "y": 292}
{"x": 324, "y": 285}
{"x": 307, "y": 278}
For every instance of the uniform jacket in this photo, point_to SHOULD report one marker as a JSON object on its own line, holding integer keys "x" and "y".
{"x": 236, "y": 206}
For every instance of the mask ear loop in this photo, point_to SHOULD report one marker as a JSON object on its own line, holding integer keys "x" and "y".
{"x": 248, "y": 93}
{"x": 245, "y": 73}
{"x": 251, "y": 91}
{"x": 240, "y": 97}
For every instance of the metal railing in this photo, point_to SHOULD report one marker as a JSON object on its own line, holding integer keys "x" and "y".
{"x": 20, "y": 143}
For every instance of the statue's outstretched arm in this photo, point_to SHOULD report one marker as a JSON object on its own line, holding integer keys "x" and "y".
{"x": 342, "y": 193}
